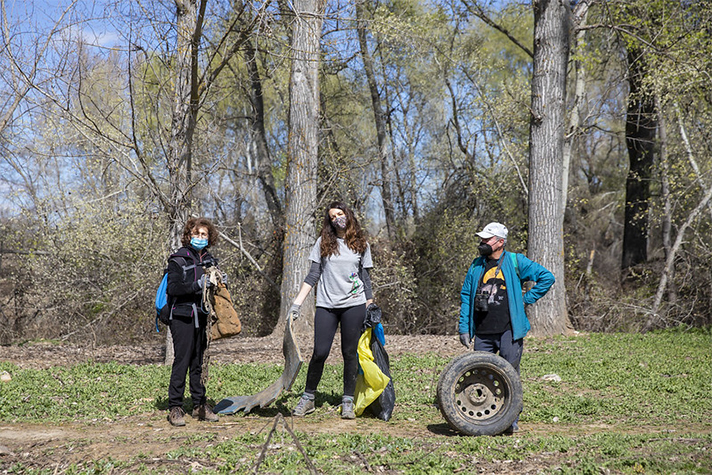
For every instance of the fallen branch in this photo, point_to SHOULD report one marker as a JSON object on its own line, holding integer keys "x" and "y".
{"x": 363, "y": 460}
{"x": 277, "y": 419}
{"x": 311, "y": 466}
{"x": 261, "y": 458}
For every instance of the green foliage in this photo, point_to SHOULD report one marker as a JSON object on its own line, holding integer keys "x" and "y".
{"x": 347, "y": 453}
{"x": 87, "y": 392}
{"x": 100, "y": 272}
{"x": 663, "y": 41}
{"x": 674, "y": 42}
{"x": 85, "y": 173}
{"x": 617, "y": 380}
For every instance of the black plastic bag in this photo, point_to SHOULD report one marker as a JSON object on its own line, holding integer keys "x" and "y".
{"x": 383, "y": 406}
{"x": 373, "y": 317}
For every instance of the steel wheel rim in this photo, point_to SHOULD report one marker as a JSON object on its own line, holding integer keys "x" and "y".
{"x": 480, "y": 394}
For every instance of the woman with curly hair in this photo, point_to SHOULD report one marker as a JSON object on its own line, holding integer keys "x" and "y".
{"x": 188, "y": 323}
{"x": 340, "y": 263}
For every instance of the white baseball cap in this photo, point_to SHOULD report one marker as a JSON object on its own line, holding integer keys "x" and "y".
{"x": 494, "y": 229}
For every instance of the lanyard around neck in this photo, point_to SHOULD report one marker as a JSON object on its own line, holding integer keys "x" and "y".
{"x": 499, "y": 266}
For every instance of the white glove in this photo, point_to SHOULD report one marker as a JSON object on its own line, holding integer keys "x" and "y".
{"x": 293, "y": 311}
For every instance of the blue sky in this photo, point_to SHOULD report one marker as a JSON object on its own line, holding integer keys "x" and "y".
{"x": 88, "y": 18}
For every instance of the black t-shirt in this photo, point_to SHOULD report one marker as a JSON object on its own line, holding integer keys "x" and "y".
{"x": 496, "y": 319}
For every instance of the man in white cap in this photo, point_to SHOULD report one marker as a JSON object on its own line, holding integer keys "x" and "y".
{"x": 492, "y": 303}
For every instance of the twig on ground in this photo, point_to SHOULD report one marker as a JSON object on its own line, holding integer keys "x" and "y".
{"x": 279, "y": 417}
{"x": 415, "y": 461}
{"x": 261, "y": 458}
{"x": 311, "y": 466}
{"x": 363, "y": 459}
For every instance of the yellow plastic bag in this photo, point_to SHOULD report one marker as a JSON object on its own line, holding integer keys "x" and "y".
{"x": 372, "y": 382}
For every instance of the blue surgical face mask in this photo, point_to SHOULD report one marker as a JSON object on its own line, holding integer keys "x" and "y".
{"x": 198, "y": 243}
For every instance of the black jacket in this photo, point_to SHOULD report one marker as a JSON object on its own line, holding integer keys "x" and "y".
{"x": 184, "y": 272}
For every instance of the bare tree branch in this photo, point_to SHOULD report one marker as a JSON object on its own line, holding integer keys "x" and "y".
{"x": 26, "y": 77}
{"x": 479, "y": 12}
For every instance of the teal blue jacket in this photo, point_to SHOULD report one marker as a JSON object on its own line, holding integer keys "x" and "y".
{"x": 526, "y": 270}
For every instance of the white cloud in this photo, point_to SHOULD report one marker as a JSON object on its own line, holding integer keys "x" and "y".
{"x": 99, "y": 38}
{"x": 104, "y": 39}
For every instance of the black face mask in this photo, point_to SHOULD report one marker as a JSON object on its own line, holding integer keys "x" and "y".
{"x": 485, "y": 249}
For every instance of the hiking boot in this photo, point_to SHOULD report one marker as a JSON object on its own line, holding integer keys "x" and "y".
{"x": 175, "y": 417}
{"x": 347, "y": 408}
{"x": 304, "y": 406}
{"x": 204, "y": 412}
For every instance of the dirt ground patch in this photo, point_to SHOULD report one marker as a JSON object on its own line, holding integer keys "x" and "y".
{"x": 145, "y": 441}
{"x": 232, "y": 350}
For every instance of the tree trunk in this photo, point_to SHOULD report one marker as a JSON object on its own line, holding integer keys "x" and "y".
{"x": 640, "y": 130}
{"x": 379, "y": 118}
{"x": 546, "y": 218}
{"x": 302, "y": 154}
{"x": 259, "y": 139}
{"x": 189, "y": 25}
{"x": 666, "y": 195}
{"x": 581, "y": 16}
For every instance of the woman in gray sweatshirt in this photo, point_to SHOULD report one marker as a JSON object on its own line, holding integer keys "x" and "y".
{"x": 340, "y": 263}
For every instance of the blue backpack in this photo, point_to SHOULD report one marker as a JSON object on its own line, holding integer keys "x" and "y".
{"x": 162, "y": 301}
{"x": 164, "y": 311}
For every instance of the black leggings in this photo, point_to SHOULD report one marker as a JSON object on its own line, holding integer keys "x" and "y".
{"x": 325, "y": 322}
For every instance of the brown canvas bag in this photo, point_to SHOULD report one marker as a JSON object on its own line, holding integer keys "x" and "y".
{"x": 224, "y": 321}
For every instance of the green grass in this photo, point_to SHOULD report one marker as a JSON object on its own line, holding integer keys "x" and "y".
{"x": 650, "y": 378}
{"x": 626, "y": 403}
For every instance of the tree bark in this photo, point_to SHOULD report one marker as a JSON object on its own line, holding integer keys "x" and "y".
{"x": 259, "y": 139}
{"x": 546, "y": 217}
{"x": 640, "y": 129}
{"x": 666, "y": 194}
{"x": 189, "y": 25}
{"x": 379, "y": 118}
{"x": 302, "y": 153}
{"x": 581, "y": 16}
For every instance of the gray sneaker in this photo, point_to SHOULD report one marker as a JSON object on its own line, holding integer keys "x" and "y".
{"x": 347, "y": 408}
{"x": 175, "y": 417}
{"x": 304, "y": 406}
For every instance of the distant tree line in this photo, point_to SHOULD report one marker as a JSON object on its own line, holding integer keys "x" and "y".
{"x": 585, "y": 127}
